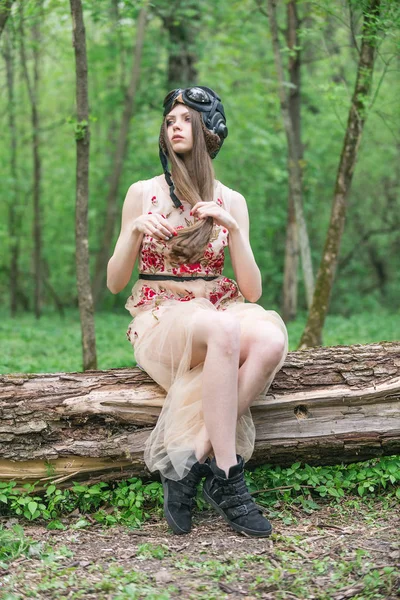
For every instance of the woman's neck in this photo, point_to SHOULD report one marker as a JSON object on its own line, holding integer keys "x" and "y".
{"x": 188, "y": 160}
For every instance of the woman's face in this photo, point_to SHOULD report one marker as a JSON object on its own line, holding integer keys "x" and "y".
{"x": 179, "y": 129}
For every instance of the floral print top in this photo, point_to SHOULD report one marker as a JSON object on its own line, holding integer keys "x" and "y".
{"x": 154, "y": 258}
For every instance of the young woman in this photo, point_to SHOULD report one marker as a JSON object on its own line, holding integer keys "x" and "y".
{"x": 192, "y": 331}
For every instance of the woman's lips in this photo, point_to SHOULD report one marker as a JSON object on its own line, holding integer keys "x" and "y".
{"x": 177, "y": 137}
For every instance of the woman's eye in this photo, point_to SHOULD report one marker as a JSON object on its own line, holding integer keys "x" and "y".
{"x": 169, "y": 123}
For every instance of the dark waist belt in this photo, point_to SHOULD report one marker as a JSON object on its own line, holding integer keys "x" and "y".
{"x": 174, "y": 278}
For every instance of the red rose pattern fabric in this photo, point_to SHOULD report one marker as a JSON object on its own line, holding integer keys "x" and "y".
{"x": 154, "y": 259}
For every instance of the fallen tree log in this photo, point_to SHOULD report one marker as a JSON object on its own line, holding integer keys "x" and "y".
{"x": 326, "y": 405}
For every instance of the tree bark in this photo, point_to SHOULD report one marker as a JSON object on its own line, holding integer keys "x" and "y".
{"x": 82, "y": 135}
{"x": 5, "y": 9}
{"x": 325, "y": 406}
{"x": 33, "y": 89}
{"x": 290, "y": 281}
{"x": 182, "y": 33}
{"x": 46, "y": 283}
{"x": 14, "y": 212}
{"x": 313, "y": 331}
{"x": 182, "y": 70}
{"x": 120, "y": 153}
{"x": 294, "y": 170}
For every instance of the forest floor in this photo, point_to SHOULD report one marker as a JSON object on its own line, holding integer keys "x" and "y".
{"x": 345, "y": 550}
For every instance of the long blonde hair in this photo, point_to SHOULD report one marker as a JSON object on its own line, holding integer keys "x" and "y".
{"x": 196, "y": 186}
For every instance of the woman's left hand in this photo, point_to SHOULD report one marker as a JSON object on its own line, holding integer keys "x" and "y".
{"x": 202, "y": 210}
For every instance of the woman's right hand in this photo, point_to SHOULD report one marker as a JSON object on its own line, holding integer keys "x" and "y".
{"x": 155, "y": 225}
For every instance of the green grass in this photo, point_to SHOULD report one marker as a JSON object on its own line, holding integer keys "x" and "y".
{"x": 53, "y": 344}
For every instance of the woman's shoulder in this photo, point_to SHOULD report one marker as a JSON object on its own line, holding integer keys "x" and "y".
{"x": 142, "y": 188}
{"x": 143, "y": 183}
{"x": 229, "y": 195}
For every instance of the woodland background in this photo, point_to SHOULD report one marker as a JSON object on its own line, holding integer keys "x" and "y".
{"x": 336, "y": 528}
{"x": 225, "y": 45}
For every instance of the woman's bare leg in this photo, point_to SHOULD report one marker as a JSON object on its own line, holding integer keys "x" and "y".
{"x": 217, "y": 344}
{"x": 260, "y": 354}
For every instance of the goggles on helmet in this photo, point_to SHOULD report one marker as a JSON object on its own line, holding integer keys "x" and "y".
{"x": 192, "y": 95}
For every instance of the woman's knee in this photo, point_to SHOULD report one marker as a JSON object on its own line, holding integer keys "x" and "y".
{"x": 219, "y": 330}
{"x": 269, "y": 343}
{"x": 223, "y": 330}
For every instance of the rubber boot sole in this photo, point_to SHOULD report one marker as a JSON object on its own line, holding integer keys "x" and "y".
{"x": 235, "y": 526}
{"x": 169, "y": 518}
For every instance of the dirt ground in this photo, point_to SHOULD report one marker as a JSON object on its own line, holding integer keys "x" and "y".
{"x": 348, "y": 551}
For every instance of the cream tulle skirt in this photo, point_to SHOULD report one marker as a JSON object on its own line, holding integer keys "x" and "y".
{"x": 163, "y": 348}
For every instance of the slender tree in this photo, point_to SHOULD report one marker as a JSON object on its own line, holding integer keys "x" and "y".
{"x": 182, "y": 22}
{"x": 294, "y": 151}
{"x": 120, "y": 153}
{"x": 312, "y": 335}
{"x": 5, "y": 10}
{"x": 33, "y": 91}
{"x": 82, "y": 135}
{"x": 290, "y": 279}
{"x": 14, "y": 214}
{"x": 181, "y": 57}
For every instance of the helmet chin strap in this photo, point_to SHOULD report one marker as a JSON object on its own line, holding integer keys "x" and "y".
{"x": 168, "y": 179}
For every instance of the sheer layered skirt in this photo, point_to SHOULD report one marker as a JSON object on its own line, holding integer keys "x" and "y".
{"x": 162, "y": 340}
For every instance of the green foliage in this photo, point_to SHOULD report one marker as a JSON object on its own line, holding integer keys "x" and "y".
{"x": 14, "y": 544}
{"x": 152, "y": 551}
{"x": 128, "y": 500}
{"x": 131, "y": 502}
{"x": 232, "y": 53}
{"x": 304, "y": 483}
{"x": 81, "y": 129}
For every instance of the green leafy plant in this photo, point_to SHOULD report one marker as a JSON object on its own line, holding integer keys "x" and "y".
{"x": 14, "y": 544}
{"x": 123, "y": 502}
{"x": 304, "y": 483}
{"x": 132, "y": 502}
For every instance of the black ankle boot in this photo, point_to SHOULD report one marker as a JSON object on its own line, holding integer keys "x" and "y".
{"x": 179, "y": 497}
{"x": 231, "y": 499}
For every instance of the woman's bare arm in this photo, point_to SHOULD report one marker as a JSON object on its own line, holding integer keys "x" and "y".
{"x": 133, "y": 226}
{"x": 247, "y": 273}
{"x": 120, "y": 265}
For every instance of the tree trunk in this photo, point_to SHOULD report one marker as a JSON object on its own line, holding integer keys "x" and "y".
{"x": 294, "y": 170}
{"x": 5, "y": 9}
{"x": 14, "y": 212}
{"x": 290, "y": 282}
{"x": 33, "y": 88}
{"x": 82, "y": 135}
{"x": 120, "y": 153}
{"x": 182, "y": 59}
{"x": 325, "y": 406}
{"x": 357, "y": 115}
{"x": 46, "y": 283}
